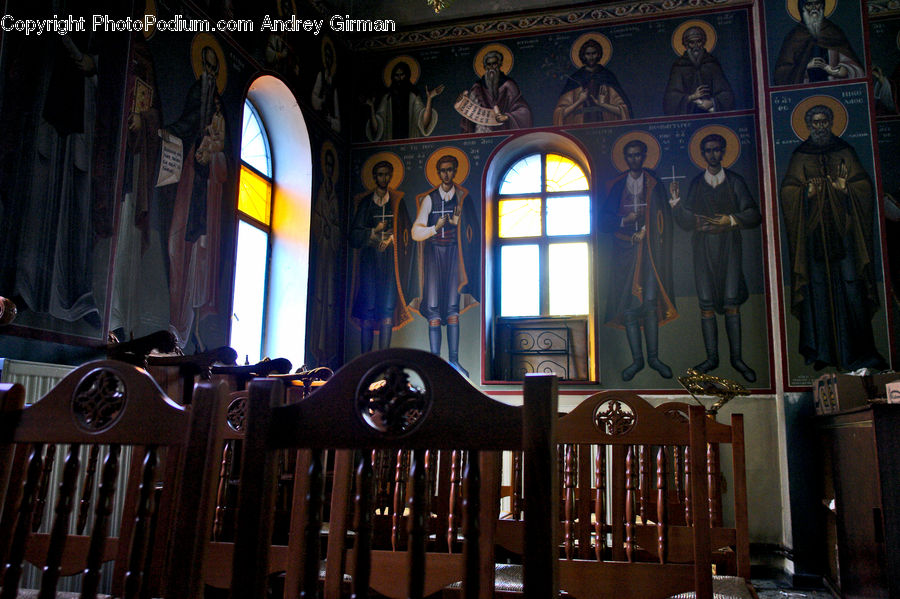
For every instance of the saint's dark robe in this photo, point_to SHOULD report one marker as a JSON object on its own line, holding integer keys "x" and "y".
{"x": 834, "y": 293}
{"x": 718, "y": 269}
{"x": 800, "y": 46}
{"x": 379, "y": 279}
{"x": 630, "y": 258}
{"x": 684, "y": 78}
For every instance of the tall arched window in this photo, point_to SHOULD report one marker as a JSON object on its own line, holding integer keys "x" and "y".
{"x": 544, "y": 237}
{"x": 540, "y": 311}
{"x": 272, "y": 263}
{"x": 254, "y": 227}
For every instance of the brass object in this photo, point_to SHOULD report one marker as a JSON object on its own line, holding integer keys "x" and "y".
{"x": 699, "y": 383}
{"x": 7, "y": 311}
{"x": 439, "y": 5}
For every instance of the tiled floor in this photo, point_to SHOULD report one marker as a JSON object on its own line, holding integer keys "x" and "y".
{"x": 773, "y": 589}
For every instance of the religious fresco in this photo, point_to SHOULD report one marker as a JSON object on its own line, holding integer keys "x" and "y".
{"x": 565, "y": 78}
{"x": 814, "y": 41}
{"x": 61, "y": 130}
{"x": 884, "y": 44}
{"x": 889, "y": 147}
{"x": 401, "y": 264}
{"x": 829, "y": 231}
{"x": 325, "y": 307}
{"x": 121, "y": 247}
{"x": 674, "y": 155}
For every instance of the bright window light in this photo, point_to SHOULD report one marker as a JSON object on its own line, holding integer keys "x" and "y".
{"x": 520, "y": 218}
{"x": 564, "y": 175}
{"x": 569, "y": 215}
{"x": 569, "y": 279}
{"x": 520, "y": 280}
{"x": 249, "y": 292}
{"x": 523, "y": 177}
{"x": 254, "y": 144}
{"x": 255, "y": 196}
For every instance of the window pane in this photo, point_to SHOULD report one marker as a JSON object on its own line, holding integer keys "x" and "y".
{"x": 564, "y": 175}
{"x": 569, "y": 278}
{"x": 569, "y": 216}
{"x": 523, "y": 177}
{"x": 519, "y": 280}
{"x": 520, "y": 218}
{"x": 254, "y": 198}
{"x": 254, "y": 145}
{"x": 249, "y": 292}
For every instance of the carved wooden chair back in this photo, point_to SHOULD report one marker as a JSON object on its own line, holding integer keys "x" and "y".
{"x": 617, "y": 456}
{"x": 220, "y": 552}
{"x": 112, "y": 406}
{"x": 727, "y": 491}
{"x": 12, "y": 400}
{"x": 613, "y": 544}
{"x": 392, "y": 400}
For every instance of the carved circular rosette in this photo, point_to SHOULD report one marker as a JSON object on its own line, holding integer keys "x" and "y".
{"x": 389, "y": 402}
{"x": 614, "y": 417}
{"x": 98, "y": 401}
{"x": 237, "y": 413}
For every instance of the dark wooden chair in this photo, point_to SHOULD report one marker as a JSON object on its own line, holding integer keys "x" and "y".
{"x": 616, "y": 458}
{"x": 12, "y": 400}
{"x": 727, "y": 495}
{"x": 394, "y": 399}
{"x": 220, "y": 550}
{"x": 119, "y": 409}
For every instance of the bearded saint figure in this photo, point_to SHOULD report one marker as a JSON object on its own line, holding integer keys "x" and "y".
{"x": 829, "y": 209}
{"x": 816, "y": 50}
{"x": 697, "y": 83}
{"x": 498, "y": 92}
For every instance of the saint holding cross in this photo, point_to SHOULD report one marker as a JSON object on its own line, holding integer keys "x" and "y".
{"x": 637, "y": 214}
{"x": 446, "y": 228}
{"x": 382, "y": 257}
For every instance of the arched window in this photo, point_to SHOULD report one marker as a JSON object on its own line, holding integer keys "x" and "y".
{"x": 274, "y": 205}
{"x": 539, "y": 310}
{"x": 544, "y": 237}
{"x": 254, "y": 227}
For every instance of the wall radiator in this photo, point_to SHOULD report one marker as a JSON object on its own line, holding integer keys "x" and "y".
{"x": 38, "y": 378}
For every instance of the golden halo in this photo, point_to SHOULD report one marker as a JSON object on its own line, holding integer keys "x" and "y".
{"x": 506, "y": 66}
{"x": 412, "y": 63}
{"x": 202, "y": 40}
{"x": 150, "y": 9}
{"x": 798, "y": 116}
{"x": 678, "y": 45}
{"x": 732, "y": 145}
{"x": 281, "y": 12}
{"x": 793, "y": 8}
{"x": 462, "y": 171}
{"x": 396, "y": 162}
{"x": 618, "y": 150}
{"x": 329, "y": 147}
{"x": 597, "y": 37}
{"x": 326, "y": 41}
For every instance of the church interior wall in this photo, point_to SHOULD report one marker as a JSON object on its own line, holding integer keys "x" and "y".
{"x": 125, "y": 284}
